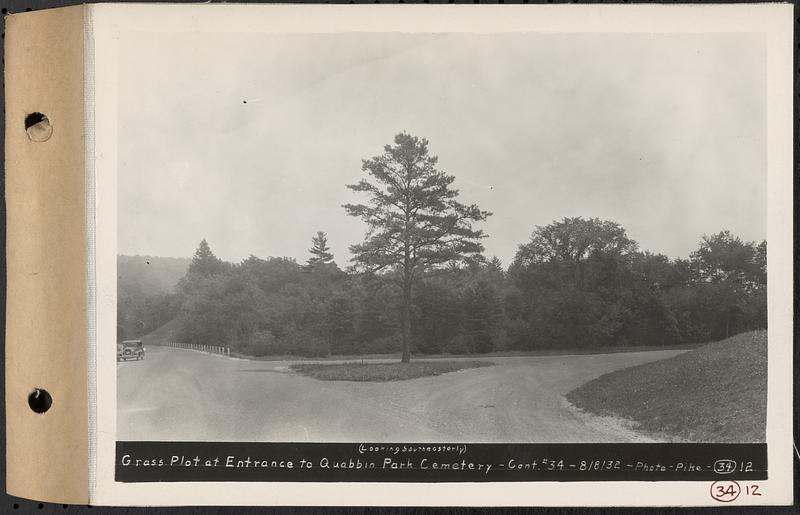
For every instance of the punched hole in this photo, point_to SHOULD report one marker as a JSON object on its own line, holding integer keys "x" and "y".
{"x": 39, "y": 400}
{"x": 38, "y": 127}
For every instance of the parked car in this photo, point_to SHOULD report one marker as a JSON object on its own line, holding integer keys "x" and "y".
{"x": 130, "y": 349}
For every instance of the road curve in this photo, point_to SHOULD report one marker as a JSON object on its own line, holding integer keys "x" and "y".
{"x": 177, "y": 394}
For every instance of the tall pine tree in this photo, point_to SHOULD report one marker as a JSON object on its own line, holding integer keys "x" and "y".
{"x": 204, "y": 262}
{"x": 320, "y": 252}
{"x": 414, "y": 221}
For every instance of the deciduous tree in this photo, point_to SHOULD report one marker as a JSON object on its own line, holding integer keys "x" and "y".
{"x": 563, "y": 248}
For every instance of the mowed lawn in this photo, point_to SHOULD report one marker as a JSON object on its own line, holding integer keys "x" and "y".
{"x": 382, "y": 372}
{"x": 715, "y": 393}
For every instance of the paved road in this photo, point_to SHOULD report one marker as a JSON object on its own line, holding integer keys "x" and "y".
{"x": 178, "y": 394}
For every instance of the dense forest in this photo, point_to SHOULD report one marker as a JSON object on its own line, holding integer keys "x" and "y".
{"x": 145, "y": 287}
{"x": 577, "y": 283}
{"x": 419, "y": 282}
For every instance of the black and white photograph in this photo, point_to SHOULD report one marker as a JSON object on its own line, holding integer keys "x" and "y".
{"x": 444, "y": 237}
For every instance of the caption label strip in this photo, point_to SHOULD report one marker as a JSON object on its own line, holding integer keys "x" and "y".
{"x": 404, "y": 462}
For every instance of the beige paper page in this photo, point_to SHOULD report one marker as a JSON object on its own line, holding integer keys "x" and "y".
{"x": 46, "y": 322}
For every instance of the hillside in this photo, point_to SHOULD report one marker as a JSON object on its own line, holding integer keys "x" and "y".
{"x": 717, "y": 392}
{"x": 166, "y": 333}
{"x": 150, "y": 274}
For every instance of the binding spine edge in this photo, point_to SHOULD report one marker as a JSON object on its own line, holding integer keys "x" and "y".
{"x": 47, "y": 265}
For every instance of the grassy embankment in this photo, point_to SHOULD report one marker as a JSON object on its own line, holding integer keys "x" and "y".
{"x": 165, "y": 333}
{"x": 382, "y": 372}
{"x": 715, "y": 393}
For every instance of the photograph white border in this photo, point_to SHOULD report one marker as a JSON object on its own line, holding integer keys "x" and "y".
{"x": 775, "y": 21}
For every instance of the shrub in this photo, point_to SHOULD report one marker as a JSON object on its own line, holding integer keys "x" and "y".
{"x": 518, "y": 334}
{"x": 298, "y": 342}
{"x": 459, "y": 344}
{"x": 385, "y": 345}
{"x": 261, "y": 343}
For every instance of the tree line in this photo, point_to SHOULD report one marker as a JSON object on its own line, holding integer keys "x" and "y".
{"x": 419, "y": 282}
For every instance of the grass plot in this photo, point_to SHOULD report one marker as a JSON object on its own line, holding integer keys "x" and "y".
{"x": 382, "y": 372}
{"x": 715, "y": 393}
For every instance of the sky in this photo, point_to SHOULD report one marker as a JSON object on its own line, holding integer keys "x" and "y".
{"x": 248, "y": 140}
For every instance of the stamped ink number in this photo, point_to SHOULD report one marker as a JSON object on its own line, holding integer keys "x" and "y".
{"x": 725, "y": 491}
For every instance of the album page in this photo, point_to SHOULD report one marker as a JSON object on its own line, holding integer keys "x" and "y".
{"x": 441, "y": 255}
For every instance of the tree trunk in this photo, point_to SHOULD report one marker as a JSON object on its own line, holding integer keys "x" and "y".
{"x": 727, "y": 324}
{"x": 406, "y": 320}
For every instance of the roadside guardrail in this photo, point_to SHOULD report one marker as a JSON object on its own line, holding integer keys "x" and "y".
{"x": 211, "y": 349}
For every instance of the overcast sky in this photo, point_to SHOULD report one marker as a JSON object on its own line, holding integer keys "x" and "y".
{"x": 248, "y": 140}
